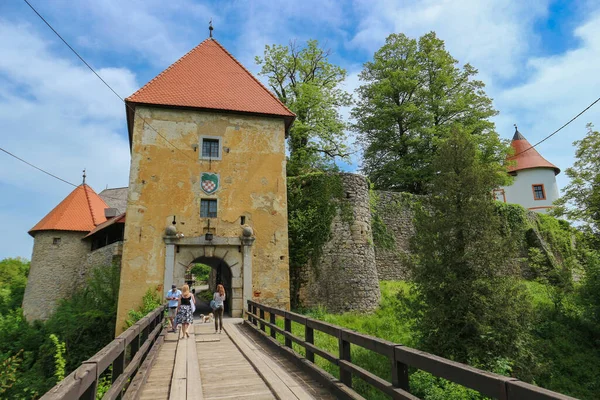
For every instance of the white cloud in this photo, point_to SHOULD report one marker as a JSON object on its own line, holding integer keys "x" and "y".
{"x": 57, "y": 115}
{"x": 492, "y": 35}
{"x": 559, "y": 88}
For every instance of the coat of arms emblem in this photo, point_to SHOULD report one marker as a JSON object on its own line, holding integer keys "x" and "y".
{"x": 209, "y": 182}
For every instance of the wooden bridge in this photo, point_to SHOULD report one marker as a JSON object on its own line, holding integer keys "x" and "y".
{"x": 269, "y": 355}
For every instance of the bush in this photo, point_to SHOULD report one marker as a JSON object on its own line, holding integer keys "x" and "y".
{"x": 13, "y": 278}
{"x": 150, "y": 301}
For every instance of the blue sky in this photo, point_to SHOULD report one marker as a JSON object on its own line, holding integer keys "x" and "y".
{"x": 539, "y": 62}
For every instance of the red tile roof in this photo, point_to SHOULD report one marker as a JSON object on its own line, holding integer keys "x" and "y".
{"x": 209, "y": 77}
{"x": 82, "y": 210}
{"x": 527, "y": 157}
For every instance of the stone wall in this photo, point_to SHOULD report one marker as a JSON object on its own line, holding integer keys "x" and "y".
{"x": 55, "y": 271}
{"x": 396, "y": 211}
{"x": 345, "y": 278}
{"x": 102, "y": 257}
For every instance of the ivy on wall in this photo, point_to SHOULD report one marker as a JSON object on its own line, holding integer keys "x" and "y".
{"x": 549, "y": 247}
{"x": 383, "y": 237}
{"x": 313, "y": 201}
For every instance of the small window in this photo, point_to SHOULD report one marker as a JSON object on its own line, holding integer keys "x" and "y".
{"x": 208, "y": 208}
{"x": 56, "y": 241}
{"x": 210, "y": 149}
{"x": 538, "y": 192}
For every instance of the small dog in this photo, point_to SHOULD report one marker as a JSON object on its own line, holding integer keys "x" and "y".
{"x": 206, "y": 318}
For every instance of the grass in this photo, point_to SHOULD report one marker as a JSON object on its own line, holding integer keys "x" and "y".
{"x": 567, "y": 359}
{"x": 388, "y": 323}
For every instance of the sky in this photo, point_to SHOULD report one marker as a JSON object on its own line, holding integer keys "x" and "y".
{"x": 539, "y": 61}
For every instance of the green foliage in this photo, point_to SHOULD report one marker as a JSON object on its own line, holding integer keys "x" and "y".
{"x": 468, "y": 306}
{"x": 581, "y": 197}
{"x": 201, "y": 272}
{"x": 313, "y": 201}
{"x": 566, "y": 348}
{"x": 104, "y": 383}
{"x": 309, "y": 85}
{"x": 86, "y": 321}
{"x": 151, "y": 300}
{"x": 13, "y": 278}
{"x": 590, "y": 292}
{"x": 8, "y": 371}
{"x": 413, "y": 93}
{"x": 59, "y": 359}
{"x": 206, "y": 295}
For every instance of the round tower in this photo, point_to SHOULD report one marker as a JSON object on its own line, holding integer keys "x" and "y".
{"x": 347, "y": 278}
{"x": 534, "y": 186}
{"x": 59, "y": 251}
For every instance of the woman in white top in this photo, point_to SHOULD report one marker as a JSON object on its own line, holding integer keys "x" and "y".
{"x": 219, "y": 298}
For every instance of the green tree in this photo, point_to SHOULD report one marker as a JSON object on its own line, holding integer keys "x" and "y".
{"x": 413, "y": 92}
{"x": 86, "y": 321}
{"x": 13, "y": 278}
{"x": 581, "y": 197}
{"x": 201, "y": 271}
{"x": 469, "y": 305}
{"x": 309, "y": 85}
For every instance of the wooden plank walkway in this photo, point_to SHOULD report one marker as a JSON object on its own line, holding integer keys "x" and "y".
{"x": 227, "y": 366}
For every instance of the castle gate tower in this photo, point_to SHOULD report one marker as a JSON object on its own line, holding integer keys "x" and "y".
{"x": 207, "y": 179}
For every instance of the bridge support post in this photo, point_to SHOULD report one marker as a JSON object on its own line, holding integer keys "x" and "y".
{"x": 288, "y": 328}
{"x": 399, "y": 373}
{"x": 345, "y": 375}
{"x": 309, "y": 337}
{"x": 262, "y": 316}
{"x": 273, "y": 320}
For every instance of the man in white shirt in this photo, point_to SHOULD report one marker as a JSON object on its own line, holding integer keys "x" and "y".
{"x": 173, "y": 296}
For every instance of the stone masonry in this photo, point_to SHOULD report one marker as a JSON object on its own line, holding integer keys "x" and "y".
{"x": 55, "y": 271}
{"x": 346, "y": 277}
{"x": 397, "y": 214}
{"x": 102, "y": 257}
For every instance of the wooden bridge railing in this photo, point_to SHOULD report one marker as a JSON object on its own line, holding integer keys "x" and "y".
{"x": 400, "y": 358}
{"x": 126, "y": 353}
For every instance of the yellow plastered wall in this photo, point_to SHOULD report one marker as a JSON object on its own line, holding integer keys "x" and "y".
{"x": 165, "y": 182}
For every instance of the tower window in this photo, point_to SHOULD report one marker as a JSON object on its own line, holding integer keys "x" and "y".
{"x": 538, "y": 192}
{"x": 211, "y": 147}
{"x": 56, "y": 241}
{"x": 208, "y": 208}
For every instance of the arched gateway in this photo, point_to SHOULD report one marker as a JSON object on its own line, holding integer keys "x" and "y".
{"x": 230, "y": 258}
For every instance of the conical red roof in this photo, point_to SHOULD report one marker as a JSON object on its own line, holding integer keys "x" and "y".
{"x": 209, "y": 77}
{"x": 81, "y": 211}
{"x": 527, "y": 157}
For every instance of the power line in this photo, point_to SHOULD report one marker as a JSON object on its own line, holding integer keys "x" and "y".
{"x": 559, "y": 129}
{"x": 103, "y": 81}
{"x": 48, "y": 173}
{"x": 39, "y": 169}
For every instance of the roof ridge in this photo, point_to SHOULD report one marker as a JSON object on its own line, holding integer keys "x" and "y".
{"x": 167, "y": 69}
{"x": 87, "y": 197}
{"x": 249, "y": 73}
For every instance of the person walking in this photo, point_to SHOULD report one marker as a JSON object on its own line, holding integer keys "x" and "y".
{"x": 219, "y": 298}
{"x": 185, "y": 315}
{"x": 173, "y": 296}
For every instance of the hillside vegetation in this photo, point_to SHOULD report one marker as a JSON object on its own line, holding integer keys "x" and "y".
{"x": 565, "y": 354}
{"x": 34, "y": 357}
